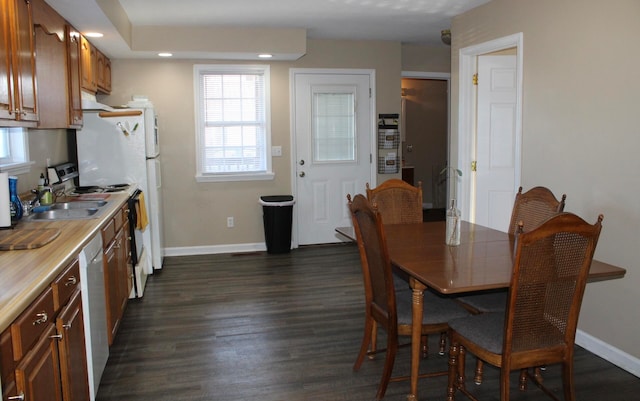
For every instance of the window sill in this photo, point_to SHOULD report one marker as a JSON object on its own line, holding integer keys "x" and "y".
{"x": 16, "y": 168}
{"x": 235, "y": 177}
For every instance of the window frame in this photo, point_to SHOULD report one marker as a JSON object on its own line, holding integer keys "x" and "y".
{"x": 18, "y": 142}
{"x": 199, "y": 70}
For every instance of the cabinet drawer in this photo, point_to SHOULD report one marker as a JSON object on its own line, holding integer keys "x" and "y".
{"x": 64, "y": 285}
{"x": 119, "y": 218}
{"x": 26, "y": 329}
{"x": 108, "y": 233}
{"x": 7, "y": 363}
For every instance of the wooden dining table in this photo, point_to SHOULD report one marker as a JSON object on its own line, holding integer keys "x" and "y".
{"x": 482, "y": 261}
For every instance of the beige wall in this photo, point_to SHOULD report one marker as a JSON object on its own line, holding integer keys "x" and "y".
{"x": 581, "y": 130}
{"x": 195, "y": 213}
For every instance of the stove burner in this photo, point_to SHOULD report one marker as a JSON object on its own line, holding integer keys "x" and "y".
{"x": 94, "y": 189}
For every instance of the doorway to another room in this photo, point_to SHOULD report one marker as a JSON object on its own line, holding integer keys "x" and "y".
{"x": 425, "y": 138}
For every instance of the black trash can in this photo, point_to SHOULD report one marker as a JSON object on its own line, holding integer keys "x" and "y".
{"x": 277, "y": 215}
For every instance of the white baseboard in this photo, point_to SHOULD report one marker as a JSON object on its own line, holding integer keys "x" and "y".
{"x": 612, "y": 354}
{"x": 213, "y": 249}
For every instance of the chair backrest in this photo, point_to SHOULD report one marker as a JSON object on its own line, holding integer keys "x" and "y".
{"x": 549, "y": 276}
{"x": 397, "y": 201}
{"x": 533, "y": 207}
{"x": 374, "y": 258}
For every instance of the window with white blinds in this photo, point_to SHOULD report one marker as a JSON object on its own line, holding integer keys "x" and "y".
{"x": 232, "y": 120}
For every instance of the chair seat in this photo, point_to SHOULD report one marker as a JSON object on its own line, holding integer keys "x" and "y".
{"x": 436, "y": 309}
{"x": 486, "y": 302}
{"x": 485, "y": 330}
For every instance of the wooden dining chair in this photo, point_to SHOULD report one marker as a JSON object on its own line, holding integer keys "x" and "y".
{"x": 530, "y": 209}
{"x": 547, "y": 284}
{"x": 397, "y": 201}
{"x": 390, "y": 310}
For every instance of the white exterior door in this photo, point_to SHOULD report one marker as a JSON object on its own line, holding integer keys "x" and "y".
{"x": 496, "y": 150}
{"x": 333, "y": 129}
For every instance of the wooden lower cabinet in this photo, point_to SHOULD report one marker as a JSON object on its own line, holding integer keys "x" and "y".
{"x": 43, "y": 353}
{"x": 38, "y": 374}
{"x": 73, "y": 360}
{"x": 117, "y": 271}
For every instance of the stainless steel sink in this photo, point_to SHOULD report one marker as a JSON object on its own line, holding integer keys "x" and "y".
{"x": 79, "y": 205}
{"x": 78, "y": 210}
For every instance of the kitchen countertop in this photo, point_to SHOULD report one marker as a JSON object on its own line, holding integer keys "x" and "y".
{"x": 24, "y": 274}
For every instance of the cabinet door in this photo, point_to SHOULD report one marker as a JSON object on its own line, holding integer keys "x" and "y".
{"x": 25, "y": 64}
{"x": 114, "y": 307}
{"x": 38, "y": 374}
{"x": 73, "y": 358}
{"x": 6, "y": 86}
{"x": 18, "y": 101}
{"x": 88, "y": 65}
{"x": 123, "y": 270}
{"x": 74, "y": 80}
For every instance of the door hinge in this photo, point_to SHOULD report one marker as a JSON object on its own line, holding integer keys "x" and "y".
{"x": 475, "y": 79}
{"x": 474, "y": 164}
{"x": 370, "y": 158}
{"x": 369, "y": 93}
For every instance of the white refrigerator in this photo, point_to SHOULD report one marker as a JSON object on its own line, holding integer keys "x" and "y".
{"x": 121, "y": 147}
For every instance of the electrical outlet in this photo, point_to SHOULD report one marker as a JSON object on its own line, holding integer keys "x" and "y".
{"x": 230, "y": 222}
{"x": 276, "y": 151}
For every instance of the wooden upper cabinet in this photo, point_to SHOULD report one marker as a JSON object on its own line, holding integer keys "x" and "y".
{"x": 18, "y": 99}
{"x": 88, "y": 65}
{"x": 104, "y": 72}
{"x": 72, "y": 37}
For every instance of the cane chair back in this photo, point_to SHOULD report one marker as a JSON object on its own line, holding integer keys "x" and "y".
{"x": 533, "y": 207}
{"x": 397, "y": 201}
{"x": 382, "y": 307}
{"x": 549, "y": 276}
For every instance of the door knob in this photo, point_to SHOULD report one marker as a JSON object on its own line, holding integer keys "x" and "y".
{"x": 302, "y": 174}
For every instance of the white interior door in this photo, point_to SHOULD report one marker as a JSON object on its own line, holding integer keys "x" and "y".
{"x": 496, "y": 155}
{"x": 333, "y": 126}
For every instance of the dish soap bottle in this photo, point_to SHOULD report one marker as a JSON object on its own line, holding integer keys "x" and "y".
{"x": 453, "y": 225}
{"x": 16, "y": 203}
{"x": 47, "y": 194}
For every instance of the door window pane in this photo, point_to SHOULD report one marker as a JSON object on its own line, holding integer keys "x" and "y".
{"x": 333, "y": 127}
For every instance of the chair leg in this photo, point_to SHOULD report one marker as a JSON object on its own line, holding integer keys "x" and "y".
{"x": 523, "y": 380}
{"x": 389, "y": 360}
{"x": 369, "y": 325}
{"x": 443, "y": 342}
{"x": 477, "y": 379}
{"x": 424, "y": 343}
{"x": 374, "y": 340}
{"x": 567, "y": 380}
{"x": 504, "y": 383}
{"x": 454, "y": 353}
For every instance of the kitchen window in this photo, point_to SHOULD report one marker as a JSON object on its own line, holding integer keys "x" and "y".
{"x": 232, "y": 122}
{"x": 14, "y": 150}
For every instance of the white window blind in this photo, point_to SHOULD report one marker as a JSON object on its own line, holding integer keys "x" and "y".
{"x": 233, "y": 121}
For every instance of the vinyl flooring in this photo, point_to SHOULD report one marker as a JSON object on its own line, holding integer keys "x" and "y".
{"x": 266, "y": 327}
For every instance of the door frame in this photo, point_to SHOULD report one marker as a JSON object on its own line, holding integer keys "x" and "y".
{"x": 293, "y": 72}
{"x": 468, "y": 57}
{"x": 437, "y": 76}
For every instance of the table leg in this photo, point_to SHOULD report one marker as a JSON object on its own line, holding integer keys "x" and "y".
{"x": 416, "y": 334}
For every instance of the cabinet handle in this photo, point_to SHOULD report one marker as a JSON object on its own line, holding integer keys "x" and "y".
{"x": 58, "y": 336}
{"x": 72, "y": 280}
{"x": 118, "y": 245}
{"x": 42, "y": 317}
{"x": 19, "y": 397}
{"x": 66, "y": 326}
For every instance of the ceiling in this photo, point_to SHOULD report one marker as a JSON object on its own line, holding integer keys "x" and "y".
{"x": 406, "y": 21}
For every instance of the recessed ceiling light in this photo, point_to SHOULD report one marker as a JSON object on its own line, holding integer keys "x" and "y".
{"x": 93, "y": 34}
{"x": 265, "y": 55}
{"x": 165, "y": 54}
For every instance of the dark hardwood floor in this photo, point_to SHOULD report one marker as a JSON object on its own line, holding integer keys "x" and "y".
{"x": 282, "y": 327}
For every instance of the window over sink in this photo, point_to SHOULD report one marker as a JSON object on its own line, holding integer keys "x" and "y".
{"x": 14, "y": 150}
{"x": 232, "y": 122}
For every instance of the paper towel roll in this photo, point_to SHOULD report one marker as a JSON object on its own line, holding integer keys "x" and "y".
{"x": 5, "y": 202}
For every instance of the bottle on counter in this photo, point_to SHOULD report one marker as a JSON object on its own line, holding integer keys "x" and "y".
{"x": 15, "y": 202}
{"x": 453, "y": 225}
